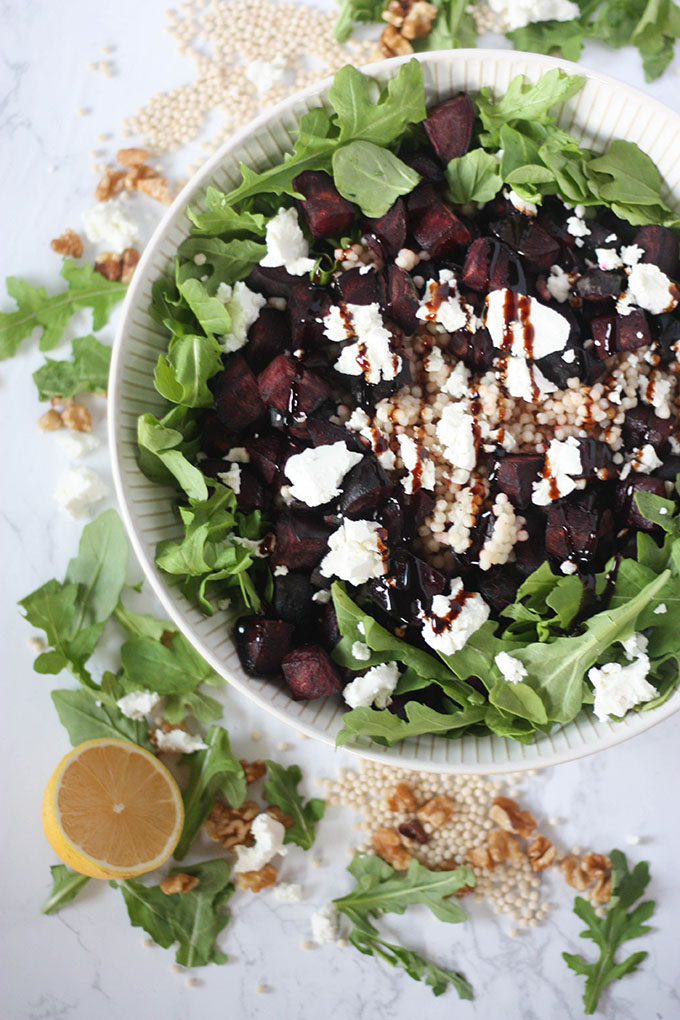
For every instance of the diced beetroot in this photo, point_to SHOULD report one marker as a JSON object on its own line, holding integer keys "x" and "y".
{"x": 251, "y": 495}
{"x": 357, "y": 288}
{"x": 262, "y": 644}
{"x": 324, "y": 433}
{"x": 428, "y": 168}
{"x": 668, "y": 326}
{"x": 538, "y": 249}
{"x": 268, "y": 454}
{"x": 403, "y": 513}
{"x": 491, "y": 265}
{"x": 237, "y": 398}
{"x": 408, "y": 588}
{"x": 390, "y": 229}
{"x": 449, "y": 127}
{"x": 660, "y": 246}
{"x": 364, "y": 488}
{"x": 579, "y": 530}
{"x": 368, "y": 394}
{"x": 326, "y": 212}
{"x": 307, "y": 306}
{"x": 328, "y": 626}
{"x": 215, "y": 438}
{"x": 290, "y": 388}
{"x": 642, "y": 427}
{"x": 402, "y": 299}
{"x": 272, "y": 281}
{"x": 669, "y": 470}
{"x": 603, "y": 328}
{"x": 632, "y": 330}
{"x": 515, "y": 476}
{"x": 267, "y": 337}
{"x": 598, "y": 285}
{"x": 597, "y": 460}
{"x": 559, "y": 371}
{"x": 301, "y": 541}
{"x": 625, "y": 503}
{"x": 547, "y": 221}
{"x": 498, "y": 586}
{"x": 309, "y": 673}
{"x": 293, "y": 598}
{"x": 475, "y": 349}
{"x": 435, "y": 227}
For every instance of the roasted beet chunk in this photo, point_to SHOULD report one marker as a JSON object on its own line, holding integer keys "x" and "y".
{"x": 424, "y": 164}
{"x": 598, "y": 285}
{"x": 324, "y": 433}
{"x": 307, "y": 306}
{"x": 660, "y": 246}
{"x": 498, "y": 586}
{"x": 643, "y": 427}
{"x": 538, "y": 249}
{"x": 632, "y": 330}
{"x": 365, "y": 488}
{"x": 291, "y": 389}
{"x": 475, "y": 349}
{"x": 580, "y": 530}
{"x": 261, "y": 644}
{"x": 402, "y": 299}
{"x": 515, "y": 476}
{"x": 268, "y": 454}
{"x": 435, "y": 227}
{"x": 300, "y": 541}
{"x": 603, "y": 328}
{"x": 408, "y": 588}
{"x": 309, "y": 673}
{"x": 597, "y": 460}
{"x": 267, "y": 337}
{"x": 328, "y": 626}
{"x": 237, "y": 400}
{"x": 390, "y": 229}
{"x": 357, "y": 288}
{"x": 625, "y": 499}
{"x": 491, "y": 265}
{"x": 449, "y": 127}
{"x": 215, "y": 438}
{"x": 272, "y": 281}
{"x": 293, "y": 598}
{"x": 326, "y": 212}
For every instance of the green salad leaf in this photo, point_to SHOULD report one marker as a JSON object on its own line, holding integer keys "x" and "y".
{"x": 371, "y": 177}
{"x": 88, "y": 372}
{"x": 623, "y": 920}
{"x": 280, "y": 788}
{"x": 174, "y": 667}
{"x": 182, "y": 375}
{"x": 453, "y": 28}
{"x": 564, "y": 38}
{"x": 473, "y": 177}
{"x": 66, "y": 886}
{"x": 86, "y": 717}
{"x": 352, "y": 11}
{"x": 160, "y": 449}
{"x": 223, "y": 221}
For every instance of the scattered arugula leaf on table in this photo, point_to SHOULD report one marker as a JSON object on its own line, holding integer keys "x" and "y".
{"x": 280, "y": 788}
{"x": 88, "y": 372}
{"x": 84, "y": 719}
{"x": 622, "y": 921}
{"x": 351, "y": 11}
{"x": 66, "y": 886}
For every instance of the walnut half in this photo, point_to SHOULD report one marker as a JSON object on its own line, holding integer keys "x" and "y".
{"x": 180, "y": 883}
{"x": 507, "y": 813}
{"x": 256, "y": 880}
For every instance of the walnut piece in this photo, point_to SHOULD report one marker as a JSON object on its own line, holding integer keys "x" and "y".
{"x": 76, "y": 417}
{"x": 231, "y": 826}
{"x": 130, "y": 259}
{"x": 401, "y": 798}
{"x": 387, "y": 844}
{"x": 180, "y": 883}
{"x": 395, "y": 12}
{"x": 156, "y": 188}
{"x": 591, "y": 870}
{"x": 573, "y": 873}
{"x": 595, "y": 865}
{"x": 479, "y": 857}
{"x": 50, "y": 421}
{"x": 541, "y": 853}
{"x": 392, "y": 44}
{"x": 602, "y": 890}
{"x": 132, "y": 156}
{"x": 256, "y": 880}
{"x": 413, "y": 829}
{"x": 253, "y": 770}
{"x": 275, "y": 811}
{"x": 109, "y": 265}
{"x": 502, "y": 845}
{"x": 110, "y": 184}
{"x": 418, "y": 20}
{"x": 507, "y": 813}
{"x": 68, "y": 243}
{"x": 437, "y": 810}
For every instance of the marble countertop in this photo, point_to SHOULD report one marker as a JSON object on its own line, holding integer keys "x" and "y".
{"x": 87, "y": 963}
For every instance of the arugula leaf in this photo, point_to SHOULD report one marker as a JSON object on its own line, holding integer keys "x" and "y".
{"x": 281, "y": 789}
{"x": 177, "y": 669}
{"x": 159, "y": 443}
{"x": 473, "y": 177}
{"x": 351, "y": 11}
{"x": 652, "y": 26}
{"x": 212, "y": 771}
{"x": 210, "y": 312}
{"x": 182, "y": 375}
{"x": 66, "y": 886}
{"x": 556, "y": 38}
{"x": 388, "y": 729}
{"x": 220, "y": 219}
{"x": 364, "y": 113}
{"x": 525, "y": 102}
{"x": 100, "y": 567}
{"x": 85, "y": 717}
{"x": 610, "y": 932}
{"x": 203, "y": 708}
{"x": 193, "y": 919}
{"x": 230, "y": 261}
{"x": 36, "y": 310}
{"x": 371, "y": 176}
{"x": 140, "y": 624}
{"x": 453, "y": 27}
{"x": 88, "y": 372}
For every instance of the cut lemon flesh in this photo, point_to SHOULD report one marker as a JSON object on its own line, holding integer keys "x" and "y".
{"x": 112, "y": 810}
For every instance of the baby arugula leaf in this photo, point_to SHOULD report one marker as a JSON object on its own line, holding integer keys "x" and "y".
{"x": 66, "y": 886}
{"x": 619, "y": 924}
{"x": 365, "y": 113}
{"x": 223, "y": 221}
{"x": 473, "y": 177}
{"x": 371, "y": 176}
{"x": 229, "y": 262}
{"x": 85, "y": 716}
{"x": 171, "y": 666}
{"x": 161, "y": 458}
{"x": 453, "y": 27}
{"x": 193, "y": 919}
{"x": 281, "y": 789}
{"x": 525, "y": 102}
{"x": 388, "y": 729}
{"x": 182, "y": 375}
{"x": 88, "y": 372}
{"x": 212, "y": 771}
{"x": 552, "y": 37}
{"x": 352, "y": 11}
{"x": 37, "y": 310}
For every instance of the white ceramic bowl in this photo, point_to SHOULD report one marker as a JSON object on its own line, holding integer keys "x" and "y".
{"x": 604, "y": 109}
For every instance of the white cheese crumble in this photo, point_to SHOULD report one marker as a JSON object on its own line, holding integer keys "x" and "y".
{"x": 375, "y": 687}
{"x": 231, "y": 478}
{"x": 325, "y": 924}
{"x": 323, "y": 596}
{"x": 577, "y": 227}
{"x": 631, "y": 254}
{"x": 558, "y": 283}
{"x": 286, "y": 244}
{"x": 243, "y": 306}
{"x": 661, "y": 609}
{"x": 79, "y": 490}
{"x": 526, "y": 381}
{"x": 521, "y": 204}
{"x": 448, "y": 308}
{"x": 562, "y": 463}
{"x": 287, "y": 892}
{"x": 567, "y": 567}
{"x": 453, "y": 618}
{"x": 357, "y": 552}
{"x": 569, "y": 356}
{"x": 456, "y": 433}
{"x": 266, "y": 74}
{"x": 106, "y": 224}
{"x": 608, "y": 258}
{"x": 316, "y": 473}
{"x": 280, "y": 570}
{"x": 178, "y": 741}
{"x": 357, "y": 420}
{"x": 77, "y": 444}
{"x": 138, "y": 704}
{"x": 268, "y": 834}
{"x": 417, "y": 462}
{"x": 512, "y": 669}
{"x": 434, "y": 361}
{"x": 518, "y": 13}
{"x": 619, "y": 688}
{"x": 361, "y": 651}
{"x": 651, "y": 289}
{"x": 644, "y": 459}
{"x": 458, "y": 382}
{"x": 371, "y": 355}
{"x": 238, "y": 454}
{"x": 550, "y": 330}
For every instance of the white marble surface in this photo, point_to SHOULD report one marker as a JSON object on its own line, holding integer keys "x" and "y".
{"x": 87, "y": 962}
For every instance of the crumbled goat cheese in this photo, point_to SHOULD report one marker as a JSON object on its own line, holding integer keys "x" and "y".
{"x": 361, "y": 651}
{"x": 77, "y": 444}
{"x": 456, "y": 433}
{"x": 138, "y": 704}
{"x": 608, "y": 258}
{"x": 357, "y": 552}
{"x": 78, "y": 490}
{"x": 550, "y": 329}
{"x": 619, "y": 688}
{"x": 106, "y": 224}
{"x": 243, "y": 306}
{"x": 512, "y": 669}
{"x": 387, "y": 460}
{"x": 375, "y": 687}
{"x": 661, "y": 609}
{"x": 453, "y": 618}
{"x": 266, "y": 74}
{"x": 518, "y": 13}
{"x": 458, "y": 382}
{"x": 323, "y": 596}
{"x": 567, "y": 567}
{"x": 316, "y": 473}
{"x": 371, "y": 355}
{"x": 644, "y": 459}
{"x": 238, "y": 454}
{"x": 448, "y": 308}
{"x": 434, "y": 362}
{"x": 357, "y": 420}
{"x": 577, "y": 227}
{"x": 562, "y": 462}
{"x": 253, "y": 545}
{"x": 281, "y": 570}
{"x": 231, "y": 478}
{"x": 288, "y": 892}
{"x": 558, "y": 283}
{"x": 325, "y": 924}
{"x": 178, "y": 741}
{"x": 650, "y": 288}
{"x": 417, "y": 462}
{"x": 268, "y": 834}
{"x": 521, "y": 204}
{"x": 569, "y": 356}
{"x": 286, "y": 244}
{"x": 526, "y": 381}
{"x": 631, "y": 254}
{"x": 635, "y": 646}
